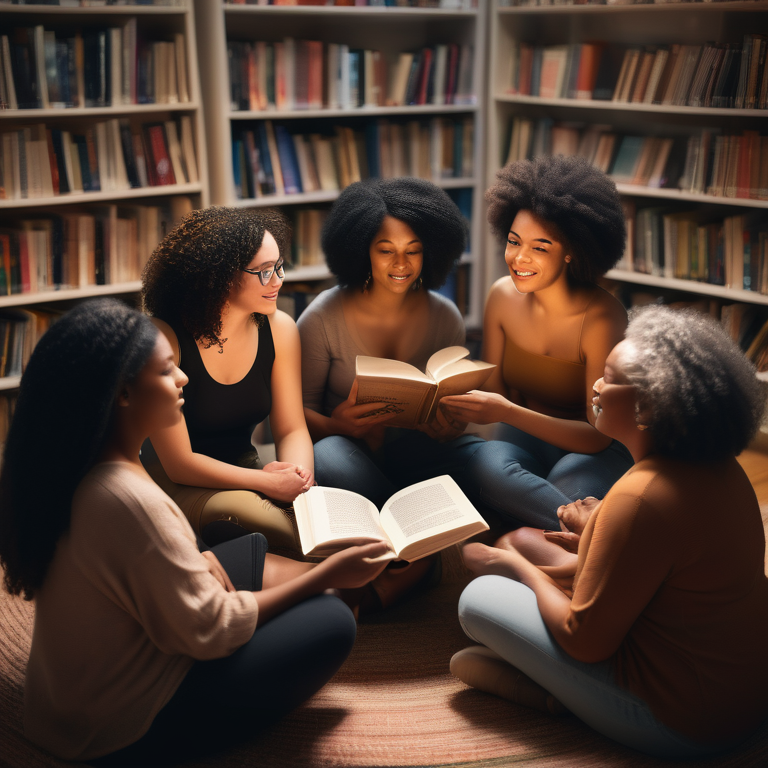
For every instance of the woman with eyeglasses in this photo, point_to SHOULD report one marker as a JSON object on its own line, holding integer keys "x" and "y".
{"x": 211, "y": 286}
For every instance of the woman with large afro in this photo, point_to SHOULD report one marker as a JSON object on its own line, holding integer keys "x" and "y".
{"x": 390, "y": 243}
{"x": 211, "y": 287}
{"x": 548, "y": 328}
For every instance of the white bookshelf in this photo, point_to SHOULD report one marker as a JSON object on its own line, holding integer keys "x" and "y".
{"x": 157, "y": 22}
{"x": 388, "y": 29}
{"x": 622, "y": 25}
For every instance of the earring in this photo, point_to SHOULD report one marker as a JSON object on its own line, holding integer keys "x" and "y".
{"x": 367, "y": 283}
{"x": 417, "y": 285}
{"x": 567, "y": 259}
{"x": 642, "y": 427}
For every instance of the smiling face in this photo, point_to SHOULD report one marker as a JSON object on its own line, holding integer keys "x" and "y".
{"x": 155, "y": 395}
{"x": 613, "y": 402}
{"x": 249, "y": 293}
{"x": 536, "y": 255}
{"x": 397, "y": 256}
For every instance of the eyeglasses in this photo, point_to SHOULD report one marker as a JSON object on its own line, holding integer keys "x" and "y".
{"x": 265, "y": 275}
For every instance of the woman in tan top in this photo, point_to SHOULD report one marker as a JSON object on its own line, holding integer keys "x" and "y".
{"x": 655, "y": 632}
{"x": 136, "y": 631}
{"x": 548, "y": 328}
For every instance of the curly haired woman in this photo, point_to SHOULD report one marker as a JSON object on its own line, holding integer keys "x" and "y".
{"x": 212, "y": 287}
{"x": 662, "y": 644}
{"x": 549, "y": 328}
{"x": 389, "y": 243}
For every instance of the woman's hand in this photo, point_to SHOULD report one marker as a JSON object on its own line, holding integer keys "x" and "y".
{"x": 357, "y": 420}
{"x": 216, "y": 569}
{"x": 566, "y": 539}
{"x": 477, "y": 407}
{"x": 443, "y": 427}
{"x": 284, "y": 481}
{"x": 483, "y": 560}
{"x": 574, "y": 516}
{"x": 355, "y": 566}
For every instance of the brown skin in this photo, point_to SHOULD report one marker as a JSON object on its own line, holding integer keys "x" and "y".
{"x": 293, "y": 472}
{"x": 538, "y": 309}
{"x": 615, "y": 401}
{"x": 383, "y": 320}
{"x": 153, "y": 401}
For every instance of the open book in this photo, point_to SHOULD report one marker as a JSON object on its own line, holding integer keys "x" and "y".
{"x": 417, "y": 521}
{"x": 414, "y": 395}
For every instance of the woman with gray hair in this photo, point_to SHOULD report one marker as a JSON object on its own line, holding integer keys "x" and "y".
{"x": 654, "y": 632}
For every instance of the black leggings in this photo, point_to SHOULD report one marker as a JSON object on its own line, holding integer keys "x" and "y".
{"x": 223, "y": 701}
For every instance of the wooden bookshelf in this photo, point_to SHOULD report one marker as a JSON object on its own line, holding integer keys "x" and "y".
{"x": 390, "y": 30}
{"x": 164, "y": 21}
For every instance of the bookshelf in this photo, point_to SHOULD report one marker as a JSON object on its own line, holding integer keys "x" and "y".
{"x": 81, "y": 225}
{"x": 530, "y": 113}
{"x": 338, "y": 118}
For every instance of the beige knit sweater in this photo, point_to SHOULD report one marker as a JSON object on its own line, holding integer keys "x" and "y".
{"x": 126, "y": 607}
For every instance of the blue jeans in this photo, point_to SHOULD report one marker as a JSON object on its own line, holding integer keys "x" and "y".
{"x": 348, "y": 463}
{"x": 502, "y": 614}
{"x": 525, "y": 479}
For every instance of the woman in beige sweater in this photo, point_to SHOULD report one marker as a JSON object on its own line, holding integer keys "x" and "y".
{"x": 140, "y": 639}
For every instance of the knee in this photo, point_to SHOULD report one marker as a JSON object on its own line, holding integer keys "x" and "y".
{"x": 333, "y": 626}
{"x": 521, "y": 539}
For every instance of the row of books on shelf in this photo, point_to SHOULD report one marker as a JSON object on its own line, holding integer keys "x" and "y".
{"x": 445, "y": 4}
{"x": 41, "y": 162}
{"x": 20, "y": 330}
{"x": 708, "y": 162}
{"x": 711, "y": 75}
{"x": 269, "y": 159}
{"x": 104, "y": 244}
{"x": 690, "y": 245}
{"x": 92, "y": 3}
{"x": 309, "y": 74}
{"x": 41, "y": 69}
{"x": 548, "y": 3}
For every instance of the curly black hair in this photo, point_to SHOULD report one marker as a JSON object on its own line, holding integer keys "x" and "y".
{"x": 359, "y": 211}
{"x": 189, "y": 276}
{"x": 68, "y": 389}
{"x": 578, "y": 199}
{"x": 696, "y": 391}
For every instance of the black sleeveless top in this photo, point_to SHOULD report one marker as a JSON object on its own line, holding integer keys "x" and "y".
{"x": 221, "y": 417}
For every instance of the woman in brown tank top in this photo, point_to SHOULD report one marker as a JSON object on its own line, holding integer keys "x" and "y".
{"x": 549, "y": 328}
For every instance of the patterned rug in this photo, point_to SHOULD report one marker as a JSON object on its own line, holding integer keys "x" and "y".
{"x": 394, "y": 703}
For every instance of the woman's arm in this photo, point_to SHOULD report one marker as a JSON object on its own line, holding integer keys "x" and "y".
{"x": 184, "y": 466}
{"x": 603, "y": 328}
{"x": 286, "y": 419}
{"x": 494, "y": 337}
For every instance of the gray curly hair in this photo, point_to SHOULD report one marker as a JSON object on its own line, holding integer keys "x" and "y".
{"x": 696, "y": 390}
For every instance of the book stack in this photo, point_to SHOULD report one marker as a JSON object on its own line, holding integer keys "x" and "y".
{"x": 41, "y": 69}
{"x": 104, "y": 244}
{"x": 670, "y": 243}
{"x": 308, "y": 74}
{"x": 720, "y": 75}
{"x": 270, "y": 160}
{"x": 39, "y": 162}
{"x": 707, "y": 162}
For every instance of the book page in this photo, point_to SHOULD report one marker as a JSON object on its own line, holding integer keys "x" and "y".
{"x": 443, "y": 358}
{"x": 426, "y": 509}
{"x": 405, "y": 398}
{"x": 458, "y": 378}
{"x": 333, "y": 514}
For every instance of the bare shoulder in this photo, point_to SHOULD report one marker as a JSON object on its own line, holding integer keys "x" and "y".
{"x": 283, "y": 326}
{"x": 169, "y": 333}
{"x": 500, "y": 295}
{"x": 605, "y": 321}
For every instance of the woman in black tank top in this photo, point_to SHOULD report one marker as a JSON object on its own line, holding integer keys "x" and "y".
{"x": 212, "y": 287}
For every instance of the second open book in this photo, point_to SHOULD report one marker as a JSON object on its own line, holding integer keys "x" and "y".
{"x": 417, "y": 521}
{"x": 412, "y": 395}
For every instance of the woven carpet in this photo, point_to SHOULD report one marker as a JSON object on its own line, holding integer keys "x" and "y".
{"x": 393, "y": 703}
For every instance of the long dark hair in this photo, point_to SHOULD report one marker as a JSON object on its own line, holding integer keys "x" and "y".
{"x": 62, "y": 420}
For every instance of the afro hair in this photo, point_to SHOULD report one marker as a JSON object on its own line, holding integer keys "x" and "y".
{"x": 188, "y": 278}
{"x": 696, "y": 391}
{"x": 359, "y": 211}
{"x": 578, "y": 199}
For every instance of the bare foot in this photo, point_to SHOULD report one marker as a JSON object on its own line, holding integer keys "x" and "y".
{"x": 483, "y": 560}
{"x": 574, "y": 516}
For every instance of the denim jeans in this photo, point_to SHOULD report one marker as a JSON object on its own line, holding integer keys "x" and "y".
{"x": 503, "y": 615}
